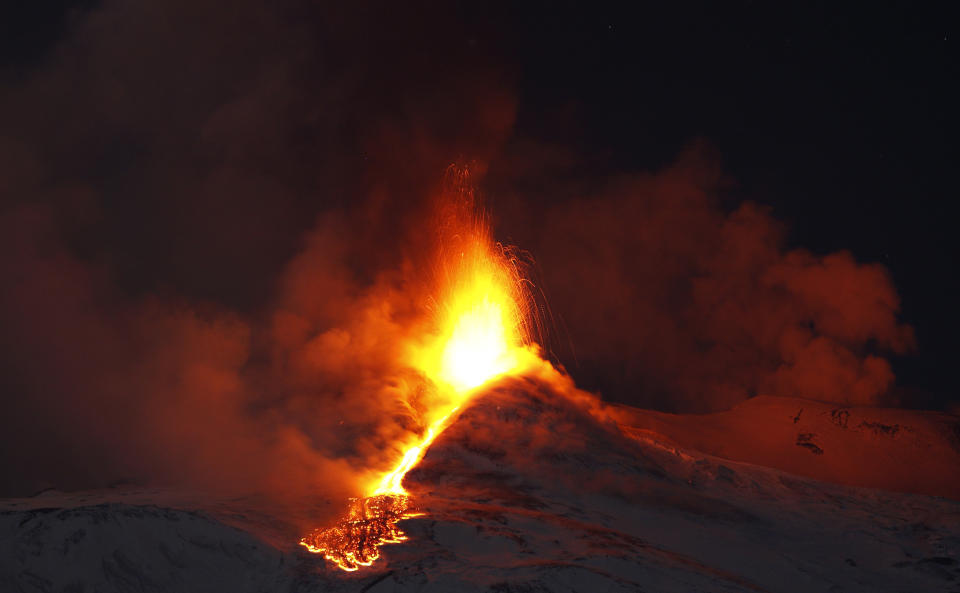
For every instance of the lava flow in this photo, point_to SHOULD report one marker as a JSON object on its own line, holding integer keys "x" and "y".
{"x": 479, "y": 331}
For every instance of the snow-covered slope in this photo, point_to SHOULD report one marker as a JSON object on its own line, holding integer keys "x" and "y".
{"x": 893, "y": 449}
{"x": 528, "y": 491}
{"x": 119, "y": 547}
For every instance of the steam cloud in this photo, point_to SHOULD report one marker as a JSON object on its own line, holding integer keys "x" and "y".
{"x": 206, "y": 277}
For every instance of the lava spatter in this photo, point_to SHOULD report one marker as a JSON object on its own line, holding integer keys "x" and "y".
{"x": 479, "y": 332}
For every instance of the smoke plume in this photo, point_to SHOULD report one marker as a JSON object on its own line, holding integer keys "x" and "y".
{"x": 665, "y": 299}
{"x": 213, "y": 240}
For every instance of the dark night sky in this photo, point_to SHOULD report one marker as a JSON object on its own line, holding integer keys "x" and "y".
{"x": 841, "y": 119}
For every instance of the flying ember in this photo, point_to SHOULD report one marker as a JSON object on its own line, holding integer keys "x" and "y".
{"x": 479, "y": 332}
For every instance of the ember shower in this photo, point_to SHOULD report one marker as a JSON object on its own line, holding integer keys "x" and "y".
{"x": 479, "y": 328}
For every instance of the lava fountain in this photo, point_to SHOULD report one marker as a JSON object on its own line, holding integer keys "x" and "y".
{"x": 479, "y": 330}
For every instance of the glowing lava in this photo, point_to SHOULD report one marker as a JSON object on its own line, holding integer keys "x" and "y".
{"x": 355, "y": 541}
{"x": 479, "y": 331}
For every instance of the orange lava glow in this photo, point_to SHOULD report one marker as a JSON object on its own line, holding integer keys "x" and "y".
{"x": 478, "y": 333}
{"x": 355, "y": 541}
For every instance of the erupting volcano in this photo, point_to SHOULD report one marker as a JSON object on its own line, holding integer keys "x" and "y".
{"x": 447, "y": 434}
{"x": 321, "y": 297}
{"x": 478, "y": 331}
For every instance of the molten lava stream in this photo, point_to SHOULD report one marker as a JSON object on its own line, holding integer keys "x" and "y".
{"x": 372, "y": 521}
{"x": 481, "y": 337}
{"x": 473, "y": 355}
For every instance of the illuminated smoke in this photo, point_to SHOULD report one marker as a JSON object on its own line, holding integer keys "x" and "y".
{"x": 475, "y": 335}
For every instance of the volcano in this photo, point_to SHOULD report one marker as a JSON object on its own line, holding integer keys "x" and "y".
{"x": 312, "y": 296}
{"x": 475, "y": 464}
{"x": 536, "y": 487}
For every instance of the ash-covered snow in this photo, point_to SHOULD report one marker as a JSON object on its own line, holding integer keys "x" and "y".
{"x": 528, "y": 491}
